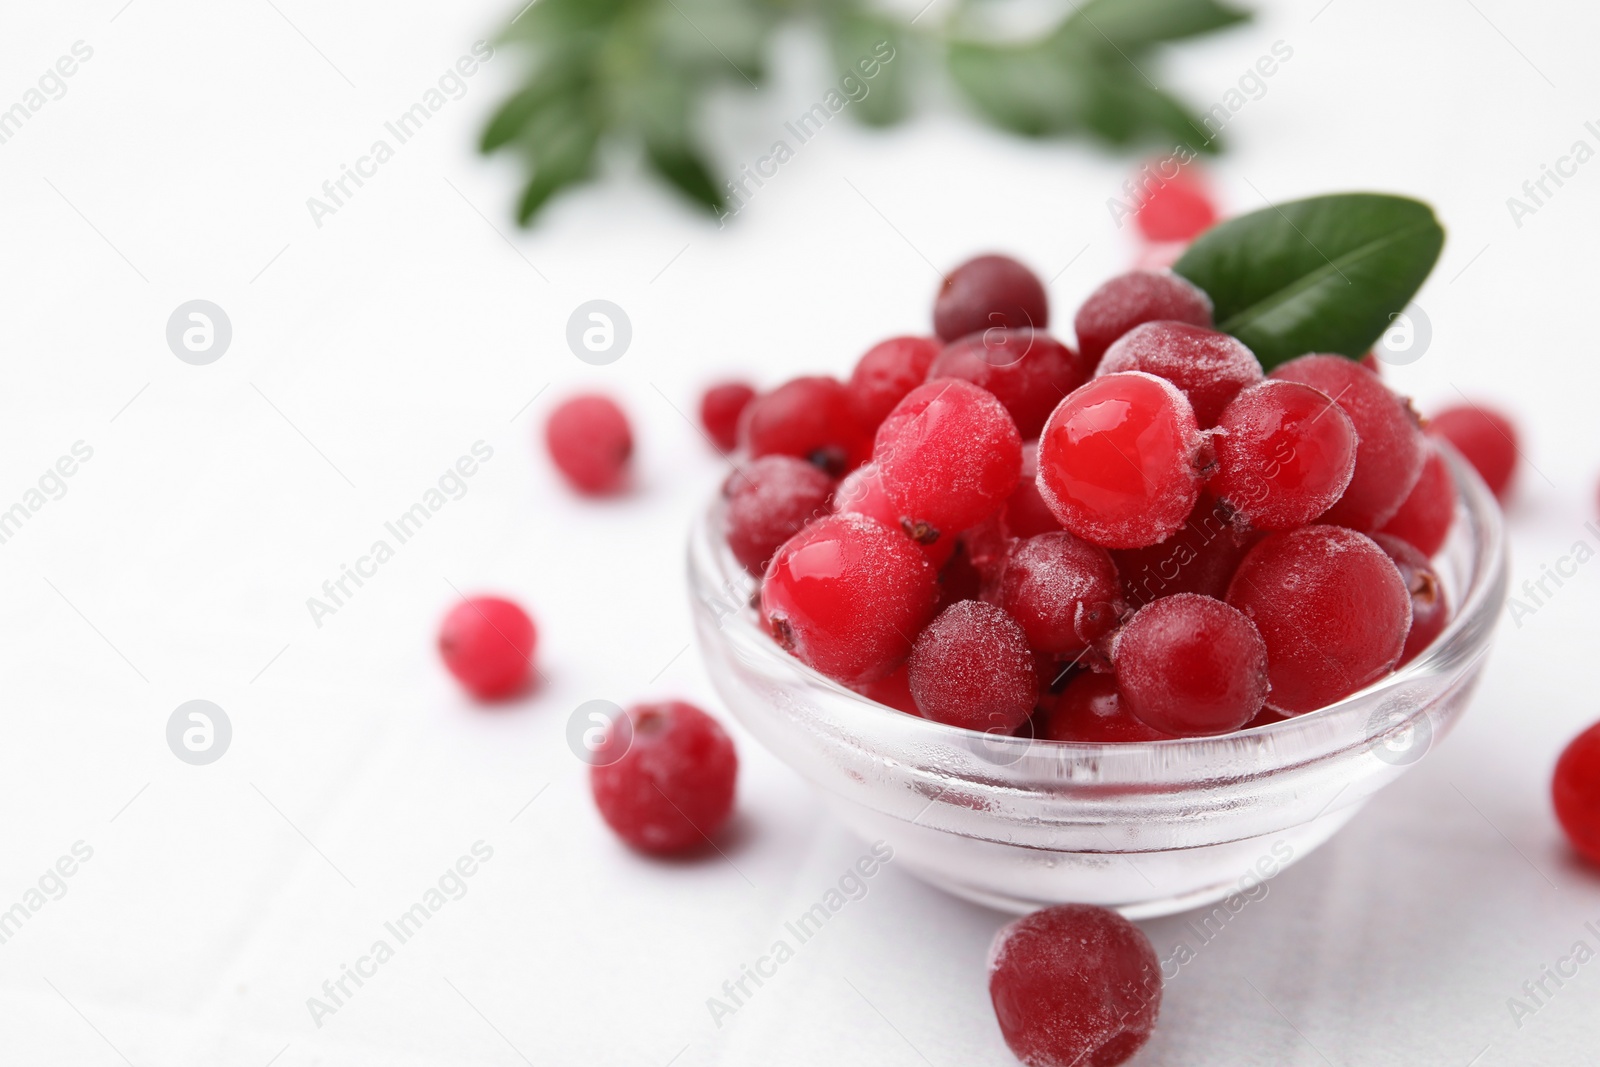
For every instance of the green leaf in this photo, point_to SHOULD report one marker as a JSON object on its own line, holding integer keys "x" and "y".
{"x": 1024, "y": 88}
{"x": 1318, "y": 275}
{"x": 562, "y": 143}
{"x": 1135, "y": 24}
{"x": 687, "y": 172}
{"x": 860, "y": 42}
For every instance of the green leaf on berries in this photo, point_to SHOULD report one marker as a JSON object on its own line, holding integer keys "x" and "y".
{"x": 1325, "y": 274}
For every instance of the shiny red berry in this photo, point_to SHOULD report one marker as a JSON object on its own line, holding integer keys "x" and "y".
{"x": 488, "y": 644}
{"x": 1025, "y": 513}
{"x": 720, "y": 408}
{"x": 847, "y": 595}
{"x": 1332, "y": 608}
{"x": 1191, "y": 666}
{"x": 886, "y": 373}
{"x": 862, "y": 493}
{"x": 971, "y": 668}
{"x": 770, "y": 499}
{"x": 1134, "y": 298}
{"x": 986, "y": 292}
{"x": 1208, "y": 367}
{"x": 1425, "y": 518}
{"x": 1575, "y": 789}
{"x": 1486, "y": 438}
{"x": 1089, "y": 710}
{"x": 1285, "y": 452}
{"x": 1027, "y": 370}
{"x": 673, "y": 788}
{"x": 1118, "y": 460}
{"x": 1074, "y": 986}
{"x": 809, "y": 418}
{"x": 591, "y": 443}
{"x": 1062, "y": 591}
{"x": 1430, "y": 607}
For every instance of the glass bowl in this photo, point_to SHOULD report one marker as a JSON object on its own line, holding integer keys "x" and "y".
{"x": 1147, "y": 828}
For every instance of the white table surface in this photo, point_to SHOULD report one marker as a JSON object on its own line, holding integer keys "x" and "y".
{"x": 371, "y": 352}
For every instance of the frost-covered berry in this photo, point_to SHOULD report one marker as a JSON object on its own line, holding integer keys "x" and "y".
{"x": 770, "y": 499}
{"x": 1027, "y": 370}
{"x": 673, "y": 787}
{"x": 1425, "y": 518}
{"x": 1486, "y": 438}
{"x": 1132, "y": 299}
{"x": 1062, "y": 591}
{"x": 986, "y": 292}
{"x": 886, "y": 373}
{"x": 1089, "y": 710}
{"x": 971, "y": 667}
{"x": 487, "y": 642}
{"x": 1191, "y": 666}
{"x": 810, "y": 418}
{"x": 590, "y": 442}
{"x": 1285, "y": 452}
{"x": 720, "y": 408}
{"x": 1208, "y": 367}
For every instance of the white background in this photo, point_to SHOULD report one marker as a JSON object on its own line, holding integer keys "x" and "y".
{"x": 370, "y": 353}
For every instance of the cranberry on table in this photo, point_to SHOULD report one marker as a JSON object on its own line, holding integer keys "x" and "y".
{"x": 847, "y": 595}
{"x": 1027, "y": 370}
{"x": 1062, "y": 591}
{"x": 673, "y": 788}
{"x": 1390, "y": 448}
{"x": 590, "y": 441}
{"x": 1135, "y": 298}
{"x": 989, "y": 291}
{"x": 1425, "y": 518}
{"x": 1191, "y": 666}
{"x": 1332, "y": 608}
{"x": 1178, "y": 209}
{"x": 1285, "y": 454}
{"x": 1090, "y": 710}
{"x": 1430, "y": 609}
{"x": 862, "y": 493}
{"x": 949, "y": 456}
{"x": 1200, "y": 558}
{"x": 487, "y": 642}
{"x": 971, "y": 667}
{"x": 886, "y": 373}
{"x": 1119, "y": 460}
{"x": 1208, "y": 367}
{"x": 1575, "y": 789}
{"x": 720, "y": 408}
{"x": 1074, "y": 986}
{"x": 770, "y": 499}
{"x": 811, "y": 419}
{"x": 1486, "y": 438}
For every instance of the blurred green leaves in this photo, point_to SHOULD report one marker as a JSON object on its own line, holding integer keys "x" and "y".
{"x": 639, "y": 70}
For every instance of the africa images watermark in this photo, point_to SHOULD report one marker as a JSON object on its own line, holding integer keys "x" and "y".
{"x": 52, "y": 885}
{"x": 52, "y": 485}
{"x": 1206, "y": 927}
{"x": 52, "y": 85}
{"x": 1537, "y": 592}
{"x": 1538, "y": 191}
{"x": 1537, "y": 991}
{"x": 804, "y": 127}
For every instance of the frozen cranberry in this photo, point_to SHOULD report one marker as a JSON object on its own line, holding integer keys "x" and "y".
{"x": 846, "y": 595}
{"x": 811, "y": 418}
{"x": 862, "y": 493}
{"x": 1118, "y": 460}
{"x": 1200, "y": 558}
{"x": 1575, "y": 789}
{"x": 1486, "y": 438}
{"x": 1208, "y": 367}
{"x": 1062, "y": 591}
{"x": 720, "y": 409}
{"x": 1427, "y": 514}
{"x": 1027, "y": 370}
{"x": 1025, "y": 512}
{"x": 770, "y": 499}
{"x": 893, "y": 689}
{"x": 1090, "y": 710}
{"x": 888, "y": 371}
{"x": 989, "y": 291}
{"x": 949, "y": 456}
{"x": 1134, "y": 298}
{"x": 1191, "y": 666}
{"x": 971, "y": 667}
{"x": 590, "y": 442}
{"x": 987, "y": 546}
{"x": 1390, "y": 449}
{"x": 487, "y": 643}
{"x": 1074, "y": 986}
{"x": 1430, "y": 610}
{"x": 1285, "y": 453}
{"x": 1332, "y": 609}
{"x": 673, "y": 787}
{"x": 1177, "y": 209}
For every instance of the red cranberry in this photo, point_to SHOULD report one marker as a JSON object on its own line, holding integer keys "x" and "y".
{"x": 810, "y": 418}
{"x": 1332, "y": 609}
{"x": 770, "y": 499}
{"x": 720, "y": 409}
{"x": 949, "y": 456}
{"x": 1390, "y": 449}
{"x": 1131, "y": 299}
{"x": 1575, "y": 790}
{"x": 1118, "y": 460}
{"x": 1074, "y": 985}
{"x": 1428, "y": 513}
{"x": 1025, "y": 512}
{"x": 1486, "y": 438}
{"x": 1177, "y": 209}
{"x": 1190, "y": 666}
{"x": 1208, "y": 367}
{"x": 893, "y": 690}
{"x": 1089, "y": 710}
{"x": 1430, "y": 609}
{"x": 971, "y": 667}
{"x": 487, "y": 643}
{"x": 888, "y": 371}
{"x": 1027, "y": 370}
{"x": 989, "y": 291}
{"x": 1062, "y": 591}
{"x": 862, "y": 493}
{"x": 846, "y": 595}
{"x": 590, "y": 442}
{"x": 960, "y": 579}
{"x": 1200, "y": 558}
{"x": 1285, "y": 453}
{"x": 674, "y": 786}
